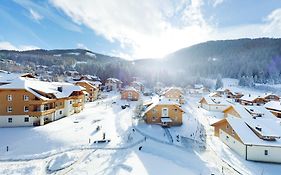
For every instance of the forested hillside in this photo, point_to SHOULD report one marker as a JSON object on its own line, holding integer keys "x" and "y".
{"x": 250, "y": 60}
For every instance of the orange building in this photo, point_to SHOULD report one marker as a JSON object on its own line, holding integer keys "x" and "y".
{"x": 91, "y": 90}
{"x": 174, "y": 93}
{"x": 164, "y": 112}
{"x": 130, "y": 94}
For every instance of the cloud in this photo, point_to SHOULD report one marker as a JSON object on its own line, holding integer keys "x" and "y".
{"x": 4, "y": 45}
{"x": 49, "y": 13}
{"x": 35, "y": 15}
{"x": 217, "y": 2}
{"x": 148, "y": 29}
{"x": 156, "y": 28}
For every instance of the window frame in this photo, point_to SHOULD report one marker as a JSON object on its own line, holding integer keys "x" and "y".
{"x": 8, "y": 109}
{"x": 9, "y": 97}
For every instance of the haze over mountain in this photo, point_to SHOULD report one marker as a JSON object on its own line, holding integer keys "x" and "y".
{"x": 258, "y": 59}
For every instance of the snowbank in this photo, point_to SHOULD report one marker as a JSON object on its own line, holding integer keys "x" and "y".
{"x": 60, "y": 162}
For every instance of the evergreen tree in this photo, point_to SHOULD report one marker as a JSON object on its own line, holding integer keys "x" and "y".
{"x": 219, "y": 83}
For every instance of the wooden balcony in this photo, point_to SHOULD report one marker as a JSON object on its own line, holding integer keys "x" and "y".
{"x": 41, "y": 113}
{"x": 76, "y": 105}
{"x": 41, "y": 102}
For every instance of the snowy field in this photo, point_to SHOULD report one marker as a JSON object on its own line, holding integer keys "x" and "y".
{"x": 67, "y": 146}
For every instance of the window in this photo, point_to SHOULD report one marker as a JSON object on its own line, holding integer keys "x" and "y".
{"x": 26, "y": 119}
{"x": 25, "y": 108}
{"x": 9, "y": 98}
{"x": 10, "y": 120}
{"x": 9, "y": 109}
{"x": 60, "y": 112}
{"x": 70, "y": 102}
{"x": 227, "y": 127}
{"x": 25, "y": 97}
{"x": 266, "y": 152}
{"x": 233, "y": 132}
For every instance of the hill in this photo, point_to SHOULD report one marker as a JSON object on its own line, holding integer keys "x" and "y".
{"x": 256, "y": 60}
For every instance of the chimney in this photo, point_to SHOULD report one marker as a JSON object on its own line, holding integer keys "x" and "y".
{"x": 60, "y": 88}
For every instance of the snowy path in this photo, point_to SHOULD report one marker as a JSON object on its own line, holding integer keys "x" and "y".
{"x": 169, "y": 135}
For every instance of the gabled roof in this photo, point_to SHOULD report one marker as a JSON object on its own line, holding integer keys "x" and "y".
{"x": 130, "y": 89}
{"x": 245, "y": 128}
{"x": 248, "y": 112}
{"x": 6, "y": 77}
{"x": 172, "y": 88}
{"x": 33, "y": 85}
{"x": 114, "y": 80}
{"x": 163, "y": 101}
{"x": 251, "y": 97}
{"x": 215, "y": 100}
{"x": 276, "y": 105}
{"x": 240, "y": 110}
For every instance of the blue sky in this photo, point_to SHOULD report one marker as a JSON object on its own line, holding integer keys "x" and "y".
{"x": 133, "y": 29}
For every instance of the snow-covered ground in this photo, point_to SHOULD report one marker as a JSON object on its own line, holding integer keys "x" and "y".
{"x": 66, "y": 146}
{"x": 219, "y": 150}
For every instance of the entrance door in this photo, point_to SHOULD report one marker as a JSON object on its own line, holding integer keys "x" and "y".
{"x": 165, "y": 112}
{"x": 130, "y": 95}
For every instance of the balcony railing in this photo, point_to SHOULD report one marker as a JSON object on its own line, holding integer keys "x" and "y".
{"x": 41, "y": 113}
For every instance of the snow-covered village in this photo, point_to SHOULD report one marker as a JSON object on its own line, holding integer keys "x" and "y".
{"x": 151, "y": 87}
{"x": 86, "y": 127}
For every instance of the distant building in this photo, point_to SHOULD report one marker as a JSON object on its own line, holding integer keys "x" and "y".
{"x": 252, "y": 99}
{"x": 130, "y": 94}
{"x": 137, "y": 85}
{"x": 113, "y": 84}
{"x": 174, "y": 93}
{"x": 214, "y": 103}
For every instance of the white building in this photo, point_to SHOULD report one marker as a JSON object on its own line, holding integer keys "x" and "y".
{"x": 214, "y": 103}
{"x": 253, "y": 139}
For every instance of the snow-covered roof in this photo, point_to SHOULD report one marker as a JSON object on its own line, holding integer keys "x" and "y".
{"x": 276, "y": 105}
{"x": 162, "y": 101}
{"x": 215, "y": 100}
{"x": 170, "y": 89}
{"x": 137, "y": 83}
{"x": 114, "y": 80}
{"x": 131, "y": 89}
{"x": 259, "y": 111}
{"x": 243, "y": 113}
{"x": 246, "y": 134}
{"x": 250, "y": 97}
{"x": 33, "y": 85}
{"x": 6, "y": 77}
